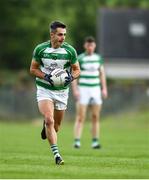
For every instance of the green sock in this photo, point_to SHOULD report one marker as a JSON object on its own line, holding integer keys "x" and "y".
{"x": 95, "y": 140}
{"x": 54, "y": 149}
{"x": 77, "y": 140}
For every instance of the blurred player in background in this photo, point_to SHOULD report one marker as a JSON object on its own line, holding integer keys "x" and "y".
{"x": 89, "y": 90}
{"x": 52, "y": 101}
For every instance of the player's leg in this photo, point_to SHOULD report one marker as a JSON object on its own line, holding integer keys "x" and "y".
{"x": 43, "y": 132}
{"x": 95, "y": 114}
{"x": 58, "y": 117}
{"x": 60, "y": 105}
{"x": 79, "y": 122}
{"x": 46, "y": 107}
{"x": 81, "y": 107}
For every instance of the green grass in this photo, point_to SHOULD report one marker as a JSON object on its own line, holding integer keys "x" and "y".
{"x": 125, "y": 151}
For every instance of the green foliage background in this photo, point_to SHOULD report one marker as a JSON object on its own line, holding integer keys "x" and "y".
{"x": 24, "y": 24}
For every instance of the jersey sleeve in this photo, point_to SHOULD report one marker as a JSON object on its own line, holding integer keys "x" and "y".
{"x": 73, "y": 56}
{"x": 36, "y": 54}
{"x": 101, "y": 60}
{"x": 79, "y": 58}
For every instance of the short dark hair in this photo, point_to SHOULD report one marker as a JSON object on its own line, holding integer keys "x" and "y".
{"x": 89, "y": 39}
{"x": 56, "y": 24}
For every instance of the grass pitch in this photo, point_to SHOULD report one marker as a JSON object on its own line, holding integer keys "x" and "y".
{"x": 124, "y": 153}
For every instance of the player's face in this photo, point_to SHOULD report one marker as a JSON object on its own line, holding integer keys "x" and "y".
{"x": 90, "y": 47}
{"x": 58, "y": 37}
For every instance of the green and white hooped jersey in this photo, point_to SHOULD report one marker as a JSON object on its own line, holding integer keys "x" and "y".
{"x": 90, "y": 68}
{"x": 50, "y": 58}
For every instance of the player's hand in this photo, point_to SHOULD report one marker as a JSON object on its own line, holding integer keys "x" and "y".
{"x": 104, "y": 93}
{"x": 47, "y": 77}
{"x": 76, "y": 94}
{"x": 68, "y": 79}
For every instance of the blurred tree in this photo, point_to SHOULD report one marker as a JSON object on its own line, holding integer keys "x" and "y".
{"x": 24, "y": 23}
{"x": 19, "y": 29}
{"x": 85, "y": 24}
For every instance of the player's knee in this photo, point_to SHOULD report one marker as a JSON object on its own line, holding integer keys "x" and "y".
{"x": 95, "y": 117}
{"x": 81, "y": 118}
{"x": 48, "y": 119}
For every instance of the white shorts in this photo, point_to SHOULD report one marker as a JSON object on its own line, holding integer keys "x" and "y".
{"x": 90, "y": 95}
{"x": 58, "y": 97}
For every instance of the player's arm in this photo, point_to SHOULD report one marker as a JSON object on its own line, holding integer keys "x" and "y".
{"x": 75, "y": 67}
{"x": 75, "y": 90}
{"x": 74, "y": 84}
{"x": 103, "y": 82}
{"x": 75, "y": 70}
{"x": 34, "y": 70}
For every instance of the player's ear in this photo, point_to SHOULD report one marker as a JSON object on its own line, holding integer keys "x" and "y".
{"x": 51, "y": 34}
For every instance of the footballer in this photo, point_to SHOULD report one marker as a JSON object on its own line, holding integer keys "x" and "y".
{"x": 89, "y": 90}
{"x": 52, "y": 101}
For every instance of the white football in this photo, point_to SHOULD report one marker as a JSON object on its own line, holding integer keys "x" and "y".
{"x": 58, "y": 77}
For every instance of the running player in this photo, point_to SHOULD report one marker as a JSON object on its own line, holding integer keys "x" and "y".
{"x": 89, "y": 90}
{"x": 52, "y": 101}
